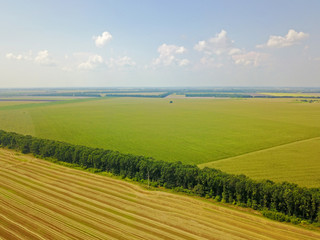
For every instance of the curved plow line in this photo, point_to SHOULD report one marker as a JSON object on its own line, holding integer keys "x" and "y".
{"x": 26, "y": 214}
{"x": 33, "y": 234}
{"x": 100, "y": 229}
{"x": 242, "y": 217}
{"x": 83, "y": 181}
{"x": 58, "y": 216}
{"x": 25, "y": 220}
{"x": 61, "y": 178}
{"x": 7, "y": 234}
{"x": 246, "y": 225}
{"x": 80, "y": 173}
{"x": 79, "y": 181}
{"x": 168, "y": 194}
{"x": 195, "y": 218}
{"x": 234, "y": 232}
{"x": 126, "y": 222}
{"x": 144, "y": 222}
{"x": 183, "y": 214}
{"x": 235, "y": 223}
{"x": 78, "y": 211}
{"x": 76, "y": 174}
{"x": 15, "y": 164}
{"x": 62, "y": 231}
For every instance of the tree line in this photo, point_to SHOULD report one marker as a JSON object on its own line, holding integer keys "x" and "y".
{"x": 163, "y": 95}
{"x": 240, "y": 95}
{"x": 280, "y": 201}
{"x": 223, "y": 95}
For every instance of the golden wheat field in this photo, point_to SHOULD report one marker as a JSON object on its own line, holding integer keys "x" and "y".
{"x": 43, "y": 200}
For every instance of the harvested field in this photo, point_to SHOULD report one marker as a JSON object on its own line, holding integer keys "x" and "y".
{"x": 42, "y": 200}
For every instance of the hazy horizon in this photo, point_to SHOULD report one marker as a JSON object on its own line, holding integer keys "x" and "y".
{"x": 105, "y": 44}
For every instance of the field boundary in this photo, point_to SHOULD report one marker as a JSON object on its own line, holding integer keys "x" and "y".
{"x": 202, "y": 165}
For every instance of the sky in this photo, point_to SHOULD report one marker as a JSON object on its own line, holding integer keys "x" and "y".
{"x": 167, "y": 43}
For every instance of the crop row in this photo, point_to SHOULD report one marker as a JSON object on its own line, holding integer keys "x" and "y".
{"x": 41, "y": 200}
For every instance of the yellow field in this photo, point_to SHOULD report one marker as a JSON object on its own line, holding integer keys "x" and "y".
{"x": 42, "y": 200}
{"x": 292, "y": 94}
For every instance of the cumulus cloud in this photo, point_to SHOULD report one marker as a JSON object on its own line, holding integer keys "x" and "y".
{"x": 220, "y": 50}
{"x": 19, "y": 57}
{"x": 184, "y": 62}
{"x": 168, "y": 55}
{"x": 100, "y": 41}
{"x": 292, "y": 38}
{"x": 120, "y": 62}
{"x": 43, "y": 58}
{"x": 220, "y": 44}
{"x": 208, "y": 61}
{"x": 93, "y": 62}
{"x": 250, "y": 58}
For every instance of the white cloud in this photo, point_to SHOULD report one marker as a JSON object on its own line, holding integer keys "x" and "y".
{"x": 43, "y": 58}
{"x": 67, "y": 69}
{"x": 168, "y": 55}
{"x": 19, "y": 57}
{"x": 120, "y": 62}
{"x": 210, "y": 62}
{"x": 292, "y": 38}
{"x": 184, "y": 62}
{"x": 224, "y": 51}
{"x": 250, "y": 58}
{"x": 100, "y": 41}
{"x": 220, "y": 44}
{"x": 92, "y": 62}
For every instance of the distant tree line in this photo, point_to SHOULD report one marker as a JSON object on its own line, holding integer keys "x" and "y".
{"x": 240, "y": 95}
{"x": 98, "y": 94}
{"x": 228, "y": 95}
{"x": 67, "y": 94}
{"x": 139, "y": 95}
{"x": 280, "y": 201}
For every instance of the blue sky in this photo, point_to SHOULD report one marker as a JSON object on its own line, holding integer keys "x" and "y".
{"x": 159, "y": 43}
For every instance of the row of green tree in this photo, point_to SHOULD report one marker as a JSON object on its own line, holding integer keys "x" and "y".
{"x": 285, "y": 198}
{"x": 68, "y": 94}
{"x": 228, "y": 95}
{"x": 139, "y": 95}
{"x": 240, "y": 95}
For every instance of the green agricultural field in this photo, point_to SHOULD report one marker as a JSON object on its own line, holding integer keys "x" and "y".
{"x": 11, "y": 103}
{"x": 5, "y": 103}
{"x": 189, "y": 130}
{"x": 296, "y": 162}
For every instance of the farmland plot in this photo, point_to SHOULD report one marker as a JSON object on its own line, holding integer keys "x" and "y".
{"x": 41, "y": 200}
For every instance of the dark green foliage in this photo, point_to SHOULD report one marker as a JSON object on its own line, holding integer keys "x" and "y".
{"x": 281, "y": 217}
{"x": 279, "y": 201}
{"x": 68, "y": 94}
{"x": 228, "y": 95}
{"x": 139, "y": 95}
